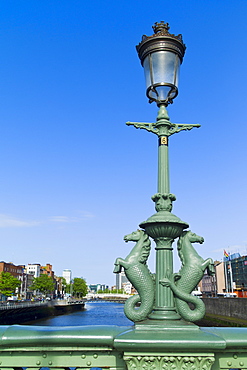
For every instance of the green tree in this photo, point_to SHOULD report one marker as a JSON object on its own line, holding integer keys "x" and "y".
{"x": 8, "y": 283}
{"x": 118, "y": 291}
{"x": 43, "y": 283}
{"x": 79, "y": 287}
{"x": 68, "y": 288}
{"x": 106, "y": 291}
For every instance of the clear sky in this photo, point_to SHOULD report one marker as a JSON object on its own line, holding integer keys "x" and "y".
{"x": 74, "y": 178}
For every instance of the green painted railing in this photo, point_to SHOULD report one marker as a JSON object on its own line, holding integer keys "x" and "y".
{"x": 113, "y": 347}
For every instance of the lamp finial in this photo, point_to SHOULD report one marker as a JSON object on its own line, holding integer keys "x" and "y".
{"x": 161, "y": 27}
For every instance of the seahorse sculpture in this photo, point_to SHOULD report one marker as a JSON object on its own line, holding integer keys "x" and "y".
{"x": 190, "y": 274}
{"x": 137, "y": 272}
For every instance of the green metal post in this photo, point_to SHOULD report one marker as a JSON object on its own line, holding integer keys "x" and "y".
{"x": 163, "y": 226}
{"x": 164, "y": 302}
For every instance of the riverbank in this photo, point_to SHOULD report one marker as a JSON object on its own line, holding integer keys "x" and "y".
{"x": 21, "y": 314}
{"x": 221, "y": 321}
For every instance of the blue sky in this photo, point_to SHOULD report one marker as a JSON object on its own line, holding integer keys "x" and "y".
{"x": 74, "y": 178}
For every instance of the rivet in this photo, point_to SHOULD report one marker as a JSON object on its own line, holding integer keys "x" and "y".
{"x": 241, "y": 363}
{"x": 70, "y": 353}
{"x": 50, "y": 362}
{"x": 38, "y": 363}
{"x": 44, "y": 355}
{"x": 83, "y": 356}
{"x": 235, "y": 356}
{"x": 89, "y": 363}
{"x": 229, "y": 363}
{"x": 95, "y": 355}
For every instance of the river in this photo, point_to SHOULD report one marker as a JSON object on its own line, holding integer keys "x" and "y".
{"x": 105, "y": 313}
{"x": 95, "y": 313}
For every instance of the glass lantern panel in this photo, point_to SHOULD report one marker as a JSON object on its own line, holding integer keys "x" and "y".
{"x": 164, "y": 66}
{"x": 161, "y": 67}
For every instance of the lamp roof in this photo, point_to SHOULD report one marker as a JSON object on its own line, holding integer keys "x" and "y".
{"x": 161, "y": 40}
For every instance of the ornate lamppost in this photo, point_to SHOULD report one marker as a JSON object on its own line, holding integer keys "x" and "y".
{"x": 163, "y": 295}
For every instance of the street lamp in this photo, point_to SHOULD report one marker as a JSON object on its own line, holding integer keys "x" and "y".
{"x": 161, "y": 55}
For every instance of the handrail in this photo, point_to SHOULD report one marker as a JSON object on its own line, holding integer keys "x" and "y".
{"x": 114, "y": 347}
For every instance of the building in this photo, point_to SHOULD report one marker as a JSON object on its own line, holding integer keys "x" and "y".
{"x": 33, "y": 269}
{"x": 47, "y": 270}
{"x": 18, "y": 272}
{"x": 67, "y": 275}
{"x": 220, "y": 277}
{"x": 120, "y": 280}
{"x": 94, "y": 288}
{"x": 14, "y": 270}
{"x": 127, "y": 288}
{"x": 236, "y": 274}
{"x": 26, "y": 282}
{"x": 230, "y": 277}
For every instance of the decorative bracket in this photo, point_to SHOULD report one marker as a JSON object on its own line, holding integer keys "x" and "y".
{"x": 146, "y": 126}
{"x": 159, "y": 127}
{"x": 177, "y": 127}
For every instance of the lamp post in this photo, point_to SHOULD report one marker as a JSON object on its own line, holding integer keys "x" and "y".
{"x": 161, "y": 55}
{"x": 164, "y": 296}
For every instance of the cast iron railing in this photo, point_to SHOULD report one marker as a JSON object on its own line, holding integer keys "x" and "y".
{"x": 113, "y": 347}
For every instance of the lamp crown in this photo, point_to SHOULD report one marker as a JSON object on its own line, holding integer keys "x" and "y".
{"x": 161, "y": 30}
{"x": 161, "y": 27}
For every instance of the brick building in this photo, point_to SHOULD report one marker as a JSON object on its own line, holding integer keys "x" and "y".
{"x": 14, "y": 270}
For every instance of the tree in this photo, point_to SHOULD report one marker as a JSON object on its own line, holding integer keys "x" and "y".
{"x": 117, "y": 291}
{"x": 79, "y": 287}
{"x": 68, "y": 288}
{"x": 8, "y": 283}
{"x": 43, "y": 283}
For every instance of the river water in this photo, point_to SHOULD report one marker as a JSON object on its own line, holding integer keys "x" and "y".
{"x": 95, "y": 313}
{"x": 102, "y": 313}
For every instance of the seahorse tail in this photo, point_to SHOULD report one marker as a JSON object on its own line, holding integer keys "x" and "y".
{"x": 182, "y": 299}
{"x": 140, "y": 313}
{"x": 187, "y": 313}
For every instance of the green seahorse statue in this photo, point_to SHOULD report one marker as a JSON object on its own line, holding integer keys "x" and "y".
{"x": 190, "y": 274}
{"x": 137, "y": 272}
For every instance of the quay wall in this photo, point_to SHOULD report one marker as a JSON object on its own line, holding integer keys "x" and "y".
{"x": 22, "y": 315}
{"x": 230, "y": 307}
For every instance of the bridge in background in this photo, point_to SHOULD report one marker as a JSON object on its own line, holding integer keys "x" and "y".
{"x": 120, "y": 298}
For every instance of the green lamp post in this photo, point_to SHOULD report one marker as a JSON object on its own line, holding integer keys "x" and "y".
{"x": 167, "y": 299}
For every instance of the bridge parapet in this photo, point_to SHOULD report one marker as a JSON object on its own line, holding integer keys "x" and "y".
{"x": 121, "y": 348}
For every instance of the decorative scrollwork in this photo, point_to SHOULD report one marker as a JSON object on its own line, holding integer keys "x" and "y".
{"x": 169, "y": 362}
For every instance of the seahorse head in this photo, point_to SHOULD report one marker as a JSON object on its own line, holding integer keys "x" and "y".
{"x": 189, "y": 236}
{"x": 184, "y": 243}
{"x": 143, "y": 245}
{"x": 135, "y": 236}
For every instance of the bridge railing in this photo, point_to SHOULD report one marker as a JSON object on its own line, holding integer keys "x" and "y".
{"x": 113, "y": 347}
{"x": 12, "y": 305}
